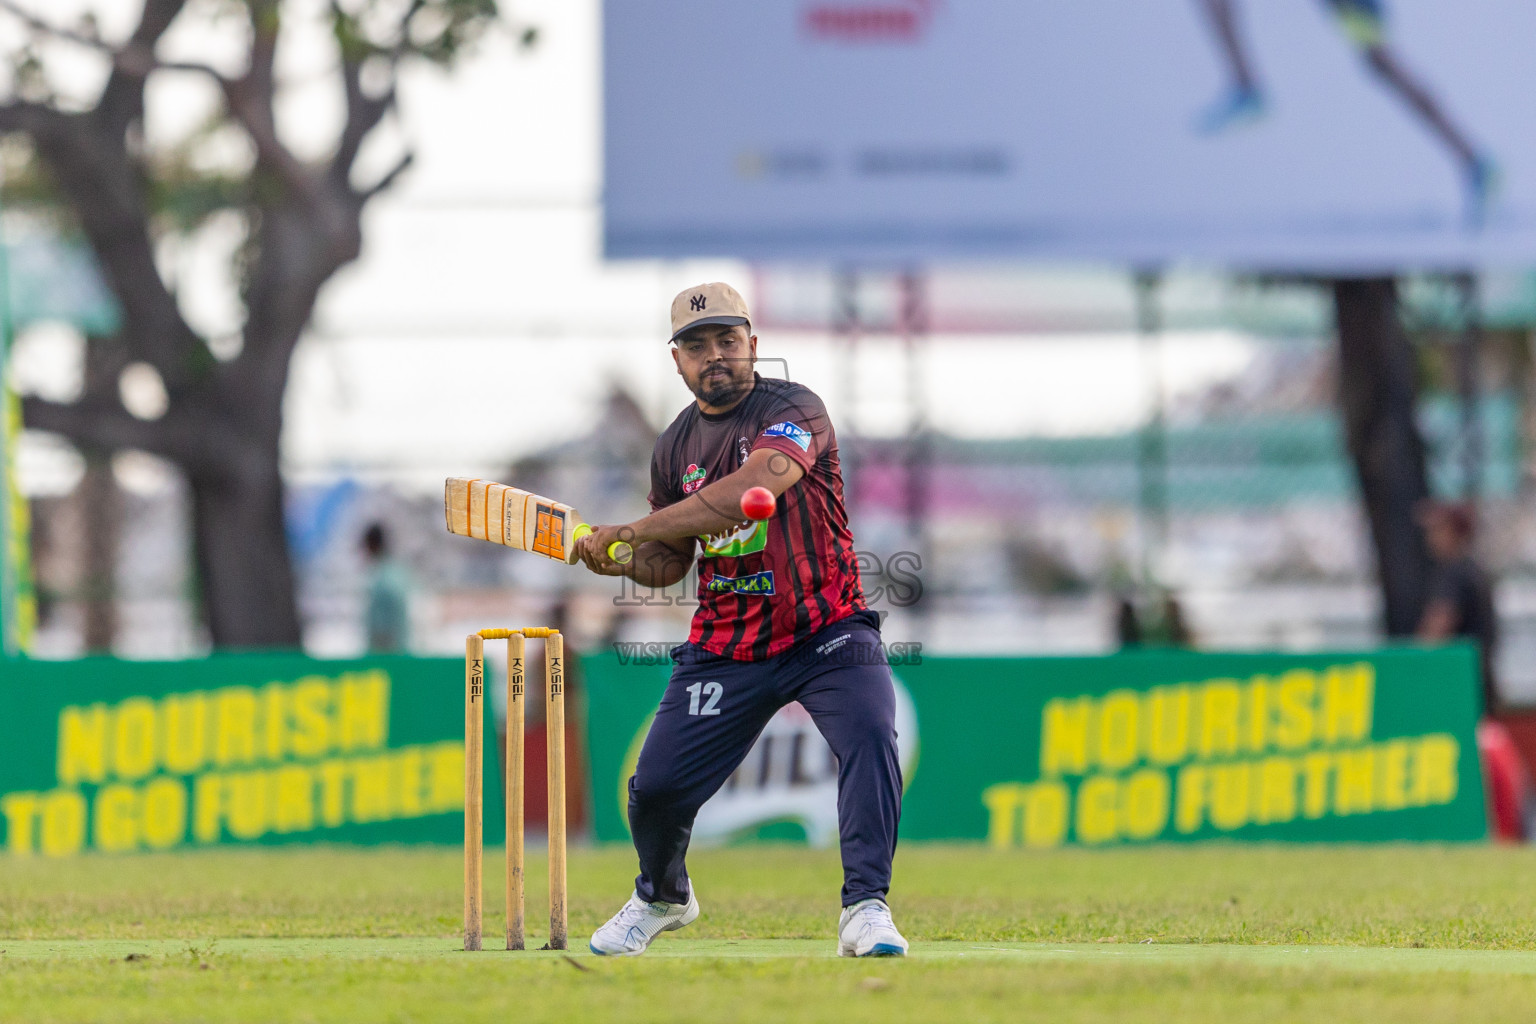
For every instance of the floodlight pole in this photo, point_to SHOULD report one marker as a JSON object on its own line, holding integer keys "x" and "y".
{"x": 1151, "y": 448}
{"x": 1468, "y": 363}
{"x": 845, "y": 332}
{"x": 10, "y": 572}
{"x": 913, "y": 327}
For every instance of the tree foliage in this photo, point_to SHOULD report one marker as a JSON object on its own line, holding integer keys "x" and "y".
{"x": 301, "y": 222}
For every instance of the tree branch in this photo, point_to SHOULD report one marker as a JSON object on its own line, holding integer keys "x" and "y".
{"x": 387, "y": 180}
{"x": 34, "y": 119}
{"x": 364, "y": 113}
{"x": 135, "y": 59}
{"x": 104, "y": 426}
{"x": 249, "y": 99}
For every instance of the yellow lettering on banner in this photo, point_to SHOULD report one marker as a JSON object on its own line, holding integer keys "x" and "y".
{"x": 185, "y": 716}
{"x": 82, "y": 744}
{"x": 1277, "y": 791}
{"x": 1432, "y": 779}
{"x": 235, "y": 731}
{"x": 133, "y": 738}
{"x": 1220, "y": 701}
{"x": 1190, "y": 798}
{"x": 208, "y": 807}
{"x": 363, "y": 718}
{"x": 294, "y": 806}
{"x": 1168, "y": 724}
{"x": 1045, "y": 815}
{"x": 1392, "y": 775}
{"x": 249, "y": 810}
{"x": 333, "y": 777}
{"x": 370, "y": 789}
{"x": 1119, "y": 729}
{"x": 1231, "y": 795}
{"x": 1064, "y": 736}
{"x": 1145, "y": 804}
{"x": 116, "y": 819}
{"x": 408, "y": 785}
{"x": 274, "y": 716}
{"x": 20, "y": 811}
{"x": 1349, "y": 696}
{"x": 448, "y": 776}
{"x": 310, "y": 705}
{"x": 63, "y": 832}
{"x": 1296, "y": 692}
{"x": 164, "y": 820}
{"x": 1096, "y": 806}
{"x": 1257, "y": 736}
{"x": 1314, "y": 787}
{"x": 1005, "y": 813}
{"x": 1353, "y": 781}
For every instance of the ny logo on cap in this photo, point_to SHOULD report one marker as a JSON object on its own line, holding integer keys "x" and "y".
{"x": 696, "y": 303}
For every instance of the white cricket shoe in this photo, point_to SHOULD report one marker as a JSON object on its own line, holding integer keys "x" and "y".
{"x": 866, "y": 929}
{"x": 630, "y": 931}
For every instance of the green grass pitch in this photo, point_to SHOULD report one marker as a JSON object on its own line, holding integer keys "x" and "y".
{"x": 1191, "y": 934}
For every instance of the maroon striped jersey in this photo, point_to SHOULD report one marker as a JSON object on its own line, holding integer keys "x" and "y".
{"x": 765, "y": 586}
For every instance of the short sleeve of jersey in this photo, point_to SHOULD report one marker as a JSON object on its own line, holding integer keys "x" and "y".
{"x": 797, "y": 425}
{"x": 662, "y": 494}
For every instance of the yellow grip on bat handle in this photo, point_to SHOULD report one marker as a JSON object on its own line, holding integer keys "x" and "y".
{"x": 619, "y": 551}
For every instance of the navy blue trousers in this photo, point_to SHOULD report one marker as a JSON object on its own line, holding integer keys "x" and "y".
{"x": 712, "y": 713}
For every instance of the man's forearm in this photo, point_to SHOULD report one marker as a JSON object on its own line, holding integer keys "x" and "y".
{"x": 658, "y": 565}
{"x": 717, "y": 507}
{"x": 694, "y": 516}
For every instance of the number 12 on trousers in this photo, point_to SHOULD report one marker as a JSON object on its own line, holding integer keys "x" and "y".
{"x": 710, "y": 692}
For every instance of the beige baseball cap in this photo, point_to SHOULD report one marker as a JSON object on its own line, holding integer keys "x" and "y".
{"x": 712, "y": 303}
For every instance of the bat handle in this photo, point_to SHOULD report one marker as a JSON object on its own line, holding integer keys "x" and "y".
{"x": 619, "y": 551}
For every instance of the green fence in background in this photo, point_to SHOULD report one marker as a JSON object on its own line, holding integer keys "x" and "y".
{"x": 1020, "y": 752}
{"x": 1152, "y": 746}
{"x": 121, "y": 756}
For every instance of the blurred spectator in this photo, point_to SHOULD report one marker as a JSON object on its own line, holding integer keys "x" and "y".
{"x": 1127, "y": 625}
{"x": 1164, "y": 626}
{"x": 1176, "y": 631}
{"x": 389, "y": 587}
{"x": 1459, "y": 603}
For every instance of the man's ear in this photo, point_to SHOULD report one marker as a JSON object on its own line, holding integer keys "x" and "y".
{"x": 677, "y": 360}
{"x": 752, "y": 348}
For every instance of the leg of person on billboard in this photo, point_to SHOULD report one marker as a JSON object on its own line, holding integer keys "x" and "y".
{"x": 1364, "y": 23}
{"x": 1243, "y": 100}
{"x": 712, "y": 712}
{"x": 848, "y": 692}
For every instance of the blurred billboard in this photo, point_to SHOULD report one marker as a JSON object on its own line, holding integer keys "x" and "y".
{"x": 1329, "y": 136}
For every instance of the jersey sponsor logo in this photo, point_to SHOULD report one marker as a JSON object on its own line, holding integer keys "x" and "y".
{"x": 797, "y": 434}
{"x": 760, "y": 583}
{"x": 693, "y": 479}
{"x": 746, "y": 539}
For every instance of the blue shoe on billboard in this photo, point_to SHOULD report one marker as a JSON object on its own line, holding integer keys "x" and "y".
{"x": 866, "y": 929}
{"x": 631, "y": 930}
{"x": 1483, "y": 182}
{"x": 1237, "y": 108}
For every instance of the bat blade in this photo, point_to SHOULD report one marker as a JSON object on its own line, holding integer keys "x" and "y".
{"x": 515, "y": 518}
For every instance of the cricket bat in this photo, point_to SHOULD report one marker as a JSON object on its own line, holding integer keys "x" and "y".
{"x": 518, "y": 519}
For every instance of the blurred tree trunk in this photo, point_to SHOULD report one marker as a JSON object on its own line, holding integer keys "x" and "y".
{"x": 101, "y": 507}
{"x": 1377, "y": 395}
{"x": 222, "y": 423}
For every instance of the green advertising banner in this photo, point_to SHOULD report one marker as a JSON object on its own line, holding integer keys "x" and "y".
{"x": 119, "y": 756}
{"x": 1153, "y": 746}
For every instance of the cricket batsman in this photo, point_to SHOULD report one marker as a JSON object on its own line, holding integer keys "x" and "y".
{"x": 781, "y": 618}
